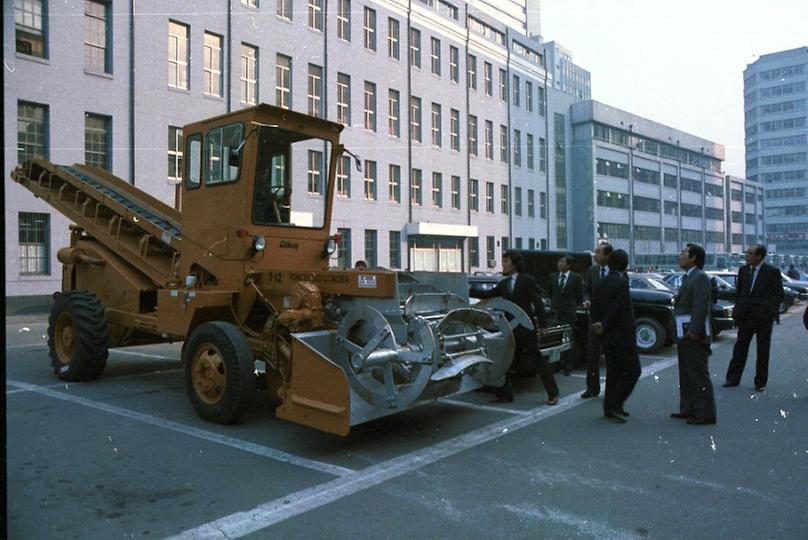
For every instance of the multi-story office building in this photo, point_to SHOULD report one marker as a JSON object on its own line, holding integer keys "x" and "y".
{"x": 567, "y": 75}
{"x": 461, "y": 136}
{"x": 645, "y": 186}
{"x": 744, "y": 216}
{"x": 776, "y": 122}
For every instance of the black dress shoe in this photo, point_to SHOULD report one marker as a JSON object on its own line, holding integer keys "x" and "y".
{"x": 614, "y": 417}
{"x": 681, "y": 415}
{"x": 701, "y": 421}
{"x": 621, "y": 412}
{"x": 588, "y": 394}
{"x": 501, "y": 399}
{"x": 729, "y": 384}
{"x": 760, "y": 388}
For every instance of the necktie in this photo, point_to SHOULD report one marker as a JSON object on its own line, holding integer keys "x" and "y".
{"x": 562, "y": 281}
{"x": 510, "y": 285}
{"x": 602, "y": 272}
{"x": 752, "y": 279}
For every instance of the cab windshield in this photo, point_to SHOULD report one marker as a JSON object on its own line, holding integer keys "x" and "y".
{"x": 290, "y": 179}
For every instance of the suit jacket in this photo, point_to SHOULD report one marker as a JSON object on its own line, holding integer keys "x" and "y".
{"x": 611, "y": 306}
{"x": 525, "y": 294}
{"x": 591, "y": 280}
{"x": 763, "y": 302}
{"x": 695, "y": 299}
{"x": 566, "y": 300}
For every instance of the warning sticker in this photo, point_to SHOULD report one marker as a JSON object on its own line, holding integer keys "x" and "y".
{"x": 367, "y": 282}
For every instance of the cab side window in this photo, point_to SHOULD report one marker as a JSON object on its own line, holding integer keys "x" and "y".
{"x": 219, "y": 143}
{"x": 194, "y": 161}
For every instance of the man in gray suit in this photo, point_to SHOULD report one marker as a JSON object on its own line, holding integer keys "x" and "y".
{"x": 594, "y": 342}
{"x": 696, "y": 399}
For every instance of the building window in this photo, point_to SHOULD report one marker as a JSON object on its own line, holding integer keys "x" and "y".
{"x": 488, "y": 139}
{"x": 531, "y": 204}
{"x": 542, "y": 100}
{"x": 97, "y": 135}
{"x": 370, "y": 180}
{"x": 284, "y": 9}
{"x": 34, "y": 243}
{"x": 503, "y": 143}
{"x": 435, "y": 56}
{"x": 474, "y": 195}
{"x": 249, "y": 74}
{"x": 542, "y": 154}
{"x": 344, "y": 249}
{"x": 315, "y": 172}
{"x": 517, "y": 147}
{"x": 393, "y": 39}
{"x": 316, "y": 14}
{"x": 250, "y": 3}
{"x": 542, "y": 205}
{"x": 97, "y": 37}
{"x": 415, "y": 47}
{"x": 344, "y": 177}
{"x": 530, "y": 160}
{"x": 394, "y": 113}
{"x": 395, "y": 249}
{"x": 505, "y": 243}
{"x": 517, "y": 201}
{"x": 415, "y": 119}
{"x": 456, "y": 192}
{"x": 415, "y": 187}
{"x": 489, "y": 197}
{"x": 454, "y": 64}
{"x": 30, "y": 20}
{"x": 505, "y": 203}
{"x": 394, "y": 185}
{"x": 516, "y": 88}
{"x": 472, "y": 71}
{"x": 178, "y": 55}
{"x": 437, "y": 131}
{"x": 369, "y": 29}
{"x": 175, "y": 147}
{"x": 370, "y": 106}
{"x": 370, "y": 248}
{"x": 490, "y": 250}
{"x": 472, "y": 135}
{"x": 488, "y": 73}
{"x": 503, "y": 85}
{"x": 344, "y": 20}
{"x": 454, "y": 129}
{"x": 212, "y": 70}
{"x": 32, "y": 131}
{"x": 437, "y": 190}
{"x": 315, "y": 91}
{"x": 474, "y": 252}
{"x": 283, "y": 81}
{"x": 529, "y": 96}
{"x": 344, "y": 99}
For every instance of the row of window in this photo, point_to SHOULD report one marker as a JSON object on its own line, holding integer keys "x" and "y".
{"x": 749, "y": 219}
{"x": 610, "y": 199}
{"x": 749, "y": 196}
{"x": 788, "y": 193}
{"x": 777, "y": 159}
{"x": 800, "y": 210}
{"x": 615, "y": 169}
{"x": 643, "y": 232}
{"x": 782, "y": 176}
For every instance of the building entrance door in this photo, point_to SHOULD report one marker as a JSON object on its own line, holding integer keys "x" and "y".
{"x": 436, "y": 254}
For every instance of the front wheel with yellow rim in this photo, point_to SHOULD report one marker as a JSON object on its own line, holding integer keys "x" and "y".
{"x": 219, "y": 372}
{"x": 77, "y": 336}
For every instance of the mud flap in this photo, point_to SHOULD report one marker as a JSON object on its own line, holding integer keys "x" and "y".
{"x": 318, "y": 394}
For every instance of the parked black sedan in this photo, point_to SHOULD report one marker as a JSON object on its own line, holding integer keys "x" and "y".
{"x": 789, "y": 298}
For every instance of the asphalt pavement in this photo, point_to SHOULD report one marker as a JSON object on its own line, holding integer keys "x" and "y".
{"x": 126, "y": 457}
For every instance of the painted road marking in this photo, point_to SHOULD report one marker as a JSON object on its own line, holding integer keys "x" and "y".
{"x": 224, "y": 440}
{"x": 480, "y": 407}
{"x": 281, "y": 509}
{"x": 122, "y": 377}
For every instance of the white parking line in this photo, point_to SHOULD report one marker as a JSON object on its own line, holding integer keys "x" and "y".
{"x": 273, "y": 512}
{"x": 111, "y": 351}
{"x": 122, "y": 377}
{"x": 482, "y": 407}
{"x": 232, "y": 442}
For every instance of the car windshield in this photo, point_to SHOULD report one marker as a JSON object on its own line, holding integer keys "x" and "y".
{"x": 291, "y": 179}
{"x": 657, "y": 284}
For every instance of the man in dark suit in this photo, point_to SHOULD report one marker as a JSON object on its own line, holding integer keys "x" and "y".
{"x": 696, "y": 399}
{"x": 566, "y": 294}
{"x": 594, "y": 342}
{"x": 760, "y": 292}
{"x": 521, "y": 289}
{"x": 613, "y": 319}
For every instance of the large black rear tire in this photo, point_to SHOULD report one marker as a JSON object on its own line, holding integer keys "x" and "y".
{"x": 219, "y": 372}
{"x": 77, "y": 336}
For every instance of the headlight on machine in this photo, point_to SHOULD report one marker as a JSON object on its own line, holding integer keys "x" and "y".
{"x": 259, "y": 243}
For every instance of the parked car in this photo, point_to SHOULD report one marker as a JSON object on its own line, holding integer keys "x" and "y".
{"x": 723, "y": 295}
{"x": 799, "y": 287}
{"x": 731, "y": 278}
{"x": 652, "y": 301}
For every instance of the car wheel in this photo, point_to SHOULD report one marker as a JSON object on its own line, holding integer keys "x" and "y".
{"x": 650, "y": 335}
{"x": 783, "y": 306}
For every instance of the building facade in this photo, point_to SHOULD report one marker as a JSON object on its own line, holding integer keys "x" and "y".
{"x": 462, "y": 138}
{"x": 644, "y": 186}
{"x": 745, "y": 214}
{"x": 776, "y": 124}
{"x": 567, "y": 75}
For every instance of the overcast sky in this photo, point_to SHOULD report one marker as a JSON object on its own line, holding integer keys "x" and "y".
{"x": 678, "y": 62}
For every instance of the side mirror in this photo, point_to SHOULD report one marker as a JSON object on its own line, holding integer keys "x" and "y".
{"x": 234, "y": 156}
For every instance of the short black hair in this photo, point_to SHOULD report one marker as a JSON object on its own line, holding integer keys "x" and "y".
{"x": 360, "y": 264}
{"x": 567, "y": 259}
{"x": 606, "y": 246}
{"x": 516, "y": 259}
{"x": 618, "y": 260}
{"x": 760, "y": 249}
{"x": 697, "y": 252}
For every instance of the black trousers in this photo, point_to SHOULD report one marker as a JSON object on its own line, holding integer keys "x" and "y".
{"x": 622, "y": 372}
{"x": 529, "y": 361}
{"x": 746, "y": 329}
{"x": 594, "y": 346}
{"x": 696, "y": 396}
